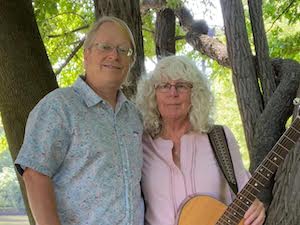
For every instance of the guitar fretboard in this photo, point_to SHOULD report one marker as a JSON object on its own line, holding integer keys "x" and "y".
{"x": 262, "y": 175}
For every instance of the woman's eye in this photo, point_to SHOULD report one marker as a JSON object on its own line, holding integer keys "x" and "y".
{"x": 180, "y": 86}
{"x": 166, "y": 86}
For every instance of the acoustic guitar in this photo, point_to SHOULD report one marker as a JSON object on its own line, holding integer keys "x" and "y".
{"x": 205, "y": 210}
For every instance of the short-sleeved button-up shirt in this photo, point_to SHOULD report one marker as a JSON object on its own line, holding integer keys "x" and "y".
{"x": 92, "y": 153}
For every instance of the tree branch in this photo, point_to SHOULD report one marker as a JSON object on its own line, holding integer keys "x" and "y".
{"x": 148, "y": 30}
{"x": 263, "y": 68}
{"x": 210, "y": 47}
{"x": 243, "y": 67}
{"x": 68, "y": 59}
{"x": 283, "y": 12}
{"x": 145, "y": 5}
{"x": 69, "y": 32}
{"x": 185, "y": 18}
{"x": 279, "y": 109}
{"x": 64, "y": 13}
{"x": 180, "y": 37}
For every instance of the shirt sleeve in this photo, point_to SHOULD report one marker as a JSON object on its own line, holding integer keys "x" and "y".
{"x": 242, "y": 175}
{"x": 46, "y": 139}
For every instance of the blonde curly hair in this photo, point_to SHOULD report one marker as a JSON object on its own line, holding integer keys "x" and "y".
{"x": 174, "y": 68}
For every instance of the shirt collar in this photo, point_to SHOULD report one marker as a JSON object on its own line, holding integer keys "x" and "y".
{"x": 90, "y": 97}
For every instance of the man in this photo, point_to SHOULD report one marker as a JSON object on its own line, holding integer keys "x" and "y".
{"x": 81, "y": 157}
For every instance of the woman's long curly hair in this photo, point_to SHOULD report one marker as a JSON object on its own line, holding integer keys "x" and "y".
{"x": 174, "y": 68}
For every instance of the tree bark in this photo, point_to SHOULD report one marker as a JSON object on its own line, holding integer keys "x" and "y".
{"x": 264, "y": 121}
{"x": 151, "y": 4}
{"x": 264, "y": 68}
{"x": 25, "y": 72}
{"x": 210, "y": 47}
{"x": 243, "y": 67}
{"x": 285, "y": 206}
{"x": 165, "y": 33}
{"x": 129, "y": 11}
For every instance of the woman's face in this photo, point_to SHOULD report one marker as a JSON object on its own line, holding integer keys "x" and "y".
{"x": 173, "y": 99}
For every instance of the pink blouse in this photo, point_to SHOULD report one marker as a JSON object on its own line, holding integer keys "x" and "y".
{"x": 165, "y": 186}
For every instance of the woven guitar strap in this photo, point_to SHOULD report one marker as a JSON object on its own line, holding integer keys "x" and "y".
{"x": 220, "y": 148}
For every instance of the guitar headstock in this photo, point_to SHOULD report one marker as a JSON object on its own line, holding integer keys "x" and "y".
{"x": 296, "y": 102}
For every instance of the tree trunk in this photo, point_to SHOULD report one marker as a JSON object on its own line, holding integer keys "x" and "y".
{"x": 265, "y": 113}
{"x": 285, "y": 206}
{"x": 243, "y": 67}
{"x": 264, "y": 68}
{"x": 25, "y": 72}
{"x": 165, "y": 33}
{"x": 129, "y": 11}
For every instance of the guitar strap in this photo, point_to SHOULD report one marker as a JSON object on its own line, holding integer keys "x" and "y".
{"x": 220, "y": 148}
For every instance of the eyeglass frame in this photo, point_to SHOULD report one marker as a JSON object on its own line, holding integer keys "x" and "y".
{"x": 159, "y": 87}
{"x": 101, "y": 47}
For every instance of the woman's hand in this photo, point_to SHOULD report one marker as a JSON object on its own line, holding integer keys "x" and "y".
{"x": 255, "y": 215}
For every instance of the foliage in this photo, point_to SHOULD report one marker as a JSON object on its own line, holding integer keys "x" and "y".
{"x": 5, "y": 158}
{"x": 62, "y": 25}
{"x": 280, "y": 10}
{"x": 148, "y": 21}
{"x": 227, "y": 111}
{"x": 3, "y": 141}
{"x": 282, "y": 22}
{"x": 174, "y": 3}
{"x": 286, "y": 44}
{"x": 10, "y": 195}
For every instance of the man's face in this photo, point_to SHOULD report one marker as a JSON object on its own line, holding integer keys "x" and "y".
{"x": 106, "y": 61}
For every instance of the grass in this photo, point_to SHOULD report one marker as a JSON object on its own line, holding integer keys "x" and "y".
{"x": 13, "y": 220}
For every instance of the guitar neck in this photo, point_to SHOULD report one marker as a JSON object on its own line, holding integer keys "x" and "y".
{"x": 262, "y": 175}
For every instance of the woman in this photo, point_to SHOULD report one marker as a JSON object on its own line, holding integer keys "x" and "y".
{"x": 176, "y": 104}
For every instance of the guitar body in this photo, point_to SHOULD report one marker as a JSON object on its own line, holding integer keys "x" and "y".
{"x": 201, "y": 210}
{"x": 205, "y": 210}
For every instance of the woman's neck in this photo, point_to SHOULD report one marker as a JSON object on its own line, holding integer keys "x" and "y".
{"x": 174, "y": 130}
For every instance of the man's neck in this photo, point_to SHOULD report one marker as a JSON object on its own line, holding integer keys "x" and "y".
{"x": 109, "y": 94}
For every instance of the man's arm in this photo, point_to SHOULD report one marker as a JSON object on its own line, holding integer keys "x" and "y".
{"x": 41, "y": 197}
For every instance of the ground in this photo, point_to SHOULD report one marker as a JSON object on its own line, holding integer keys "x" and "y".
{"x": 13, "y": 220}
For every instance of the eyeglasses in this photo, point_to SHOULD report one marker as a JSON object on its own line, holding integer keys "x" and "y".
{"x": 181, "y": 87}
{"x": 108, "y": 48}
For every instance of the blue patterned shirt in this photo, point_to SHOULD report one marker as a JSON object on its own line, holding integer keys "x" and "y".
{"x": 91, "y": 152}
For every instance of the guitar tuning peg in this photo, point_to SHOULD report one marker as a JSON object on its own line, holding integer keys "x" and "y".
{"x": 296, "y": 101}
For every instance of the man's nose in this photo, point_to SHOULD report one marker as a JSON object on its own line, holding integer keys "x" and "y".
{"x": 113, "y": 53}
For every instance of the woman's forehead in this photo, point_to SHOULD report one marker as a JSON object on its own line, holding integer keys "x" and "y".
{"x": 168, "y": 78}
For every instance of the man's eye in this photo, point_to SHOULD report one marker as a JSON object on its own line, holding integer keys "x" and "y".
{"x": 123, "y": 50}
{"x": 106, "y": 47}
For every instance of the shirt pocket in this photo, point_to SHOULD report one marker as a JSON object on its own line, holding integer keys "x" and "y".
{"x": 135, "y": 152}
